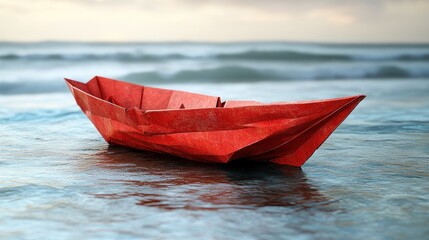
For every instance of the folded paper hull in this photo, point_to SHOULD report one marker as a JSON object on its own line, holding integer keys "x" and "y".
{"x": 202, "y": 128}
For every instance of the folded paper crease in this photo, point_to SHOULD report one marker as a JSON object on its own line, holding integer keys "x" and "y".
{"x": 203, "y": 128}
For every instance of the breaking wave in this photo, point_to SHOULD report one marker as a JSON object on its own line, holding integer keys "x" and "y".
{"x": 92, "y": 57}
{"x": 285, "y": 56}
{"x": 40, "y": 67}
{"x": 251, "y": 55}
{"x": 246, "y": 74}
{"x": 225, "y": 74}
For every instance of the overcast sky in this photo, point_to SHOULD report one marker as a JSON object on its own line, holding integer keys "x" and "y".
{"x": 215, "y": 20}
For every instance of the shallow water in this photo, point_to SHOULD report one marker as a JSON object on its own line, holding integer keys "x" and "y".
{"x": 369, "y": 180}
{"x": 59, "y": 179}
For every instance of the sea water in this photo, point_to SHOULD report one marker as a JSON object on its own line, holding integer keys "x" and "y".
{"x": 369, "y": 180}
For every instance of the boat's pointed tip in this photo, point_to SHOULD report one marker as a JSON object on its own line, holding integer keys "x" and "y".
{"x": 69, "y": 81}
{"x": 356, "y": 97}
{"x": 360, "y": 96}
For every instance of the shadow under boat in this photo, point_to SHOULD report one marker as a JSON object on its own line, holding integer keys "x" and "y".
{"x": 169, "y": 182}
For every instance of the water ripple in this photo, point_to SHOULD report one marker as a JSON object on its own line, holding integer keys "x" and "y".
{"x": 41, "y": 115}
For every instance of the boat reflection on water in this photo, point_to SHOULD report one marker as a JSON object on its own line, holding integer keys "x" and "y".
{"x": 172, "y": 183}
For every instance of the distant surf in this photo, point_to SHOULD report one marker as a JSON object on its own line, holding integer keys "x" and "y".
{"x": 250, "y": 55}
{"x": 40, "y": 67}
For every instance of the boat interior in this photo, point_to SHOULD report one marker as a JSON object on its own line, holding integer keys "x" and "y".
{"x": 129, "y": 95}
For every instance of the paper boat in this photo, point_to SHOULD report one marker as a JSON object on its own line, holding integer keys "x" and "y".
{"x": 203, "y": 128}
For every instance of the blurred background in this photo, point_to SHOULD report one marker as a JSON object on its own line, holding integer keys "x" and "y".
{"x": 182, "y": 41}
{"x": 368, "y": 180}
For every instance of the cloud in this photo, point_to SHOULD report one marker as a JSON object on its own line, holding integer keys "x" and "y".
{"x": 335, "y": 11}
{"x": 355, "y": 8}
{"x": 271, "y": 5}
{"x": 215, "y": 20}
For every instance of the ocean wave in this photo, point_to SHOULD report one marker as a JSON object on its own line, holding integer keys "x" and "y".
{"x": 251, "y": 55}
{"x": 228, "y": 74}
{"x": 40, "y": 115}
{"x": 389, "y": 127}
{"x": 24, "y": 87}
{"x": 220, "y": 74}
{"x": 92, "y": 57}
{"x": 284, "y": 56}
{"x": 247, "y": 74}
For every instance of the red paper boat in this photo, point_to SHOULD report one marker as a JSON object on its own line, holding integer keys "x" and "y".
{"x": 204, "y": 128}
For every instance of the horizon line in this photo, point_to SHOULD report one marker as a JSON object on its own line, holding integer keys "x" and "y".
{"x": 217, "y": 42}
